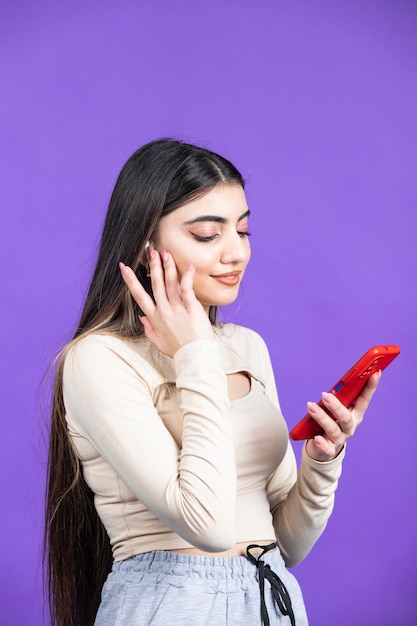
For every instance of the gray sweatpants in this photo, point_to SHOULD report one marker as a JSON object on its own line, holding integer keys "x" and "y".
{"x": 163, "y": 588}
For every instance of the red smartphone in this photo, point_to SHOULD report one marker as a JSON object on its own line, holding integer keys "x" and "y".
{"x": 348, "y": 388}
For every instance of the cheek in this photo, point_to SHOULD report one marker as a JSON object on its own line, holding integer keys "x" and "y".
{"x": 182, "y": 260}
{"x": 192, "y": 255}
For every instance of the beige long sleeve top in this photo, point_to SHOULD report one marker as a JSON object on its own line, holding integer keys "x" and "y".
{"x": 174, "y": 463}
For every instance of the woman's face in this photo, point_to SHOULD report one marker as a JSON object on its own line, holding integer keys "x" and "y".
{"x": 211, "y": 233}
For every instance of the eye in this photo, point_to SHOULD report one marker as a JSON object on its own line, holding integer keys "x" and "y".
{"x": 204, "y": 238}
{"x": 243, "y": 233}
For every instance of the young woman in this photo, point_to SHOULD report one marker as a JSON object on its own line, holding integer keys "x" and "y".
{"x": 169, "y": 461}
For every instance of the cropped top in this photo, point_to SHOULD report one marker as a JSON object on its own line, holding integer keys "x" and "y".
{"x": 174, "y": 463}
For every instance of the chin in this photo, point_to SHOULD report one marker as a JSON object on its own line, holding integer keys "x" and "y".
{"x": 222, "y": 301}
{"x": 228, "y": 296}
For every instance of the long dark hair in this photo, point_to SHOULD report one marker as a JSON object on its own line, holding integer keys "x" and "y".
{"x": 157, "y": 179}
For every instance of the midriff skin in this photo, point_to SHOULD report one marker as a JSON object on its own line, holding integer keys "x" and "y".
{"x": 238, "y": 386}
{"x": 238, "y": 550}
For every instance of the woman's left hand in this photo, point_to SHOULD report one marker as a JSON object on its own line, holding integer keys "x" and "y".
{"x": 327, "y": 446}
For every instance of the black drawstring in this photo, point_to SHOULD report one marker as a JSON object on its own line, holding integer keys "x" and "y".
{"x": 279, "y": 590}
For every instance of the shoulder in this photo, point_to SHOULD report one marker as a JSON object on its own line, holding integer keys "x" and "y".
{"x": 249, "y": 348}
{"x": 243, "y": 338}
{"x": 97, "y": 353}
{"x": 96, "y": 346}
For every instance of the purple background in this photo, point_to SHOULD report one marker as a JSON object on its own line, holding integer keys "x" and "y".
{"x": 316, "y": 103}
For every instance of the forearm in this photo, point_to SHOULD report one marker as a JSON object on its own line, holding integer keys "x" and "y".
{"x": 300, "y": 519}
{"x": 206, "y": 482}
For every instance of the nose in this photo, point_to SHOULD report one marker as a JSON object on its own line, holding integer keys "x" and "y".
{"x": 236, "y": 249}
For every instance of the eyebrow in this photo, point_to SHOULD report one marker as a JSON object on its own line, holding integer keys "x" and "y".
{"x": 215, "y": 218}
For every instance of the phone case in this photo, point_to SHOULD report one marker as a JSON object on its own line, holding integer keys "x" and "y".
{"x": 348, "y": 388}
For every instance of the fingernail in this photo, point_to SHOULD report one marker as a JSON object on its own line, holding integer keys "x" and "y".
{"x": 326, "y": 396}
{"x": 311, "y": 407}
{"x": 165, "y": 256}
{"x": 123, "y": 268}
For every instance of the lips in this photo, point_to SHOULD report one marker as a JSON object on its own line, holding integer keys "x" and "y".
{"x": 228, "y": 278}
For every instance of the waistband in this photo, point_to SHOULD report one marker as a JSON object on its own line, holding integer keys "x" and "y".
{"x": 267, "y": 566}
{"x": 167, "y": 562}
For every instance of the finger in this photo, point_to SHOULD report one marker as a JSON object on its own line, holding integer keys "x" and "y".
{"x": 342, "y": 415}
{"x": 187, "y": 286}
{"x": 157, "y": 277}
{"x": 328, "y": 424}
{"x": 139, "y": 294}
{"x": 172, "y": 284}
{"x": 326, "y": 447}
{"x": 148, "y": 328}
{"x": 363, "y": 400}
